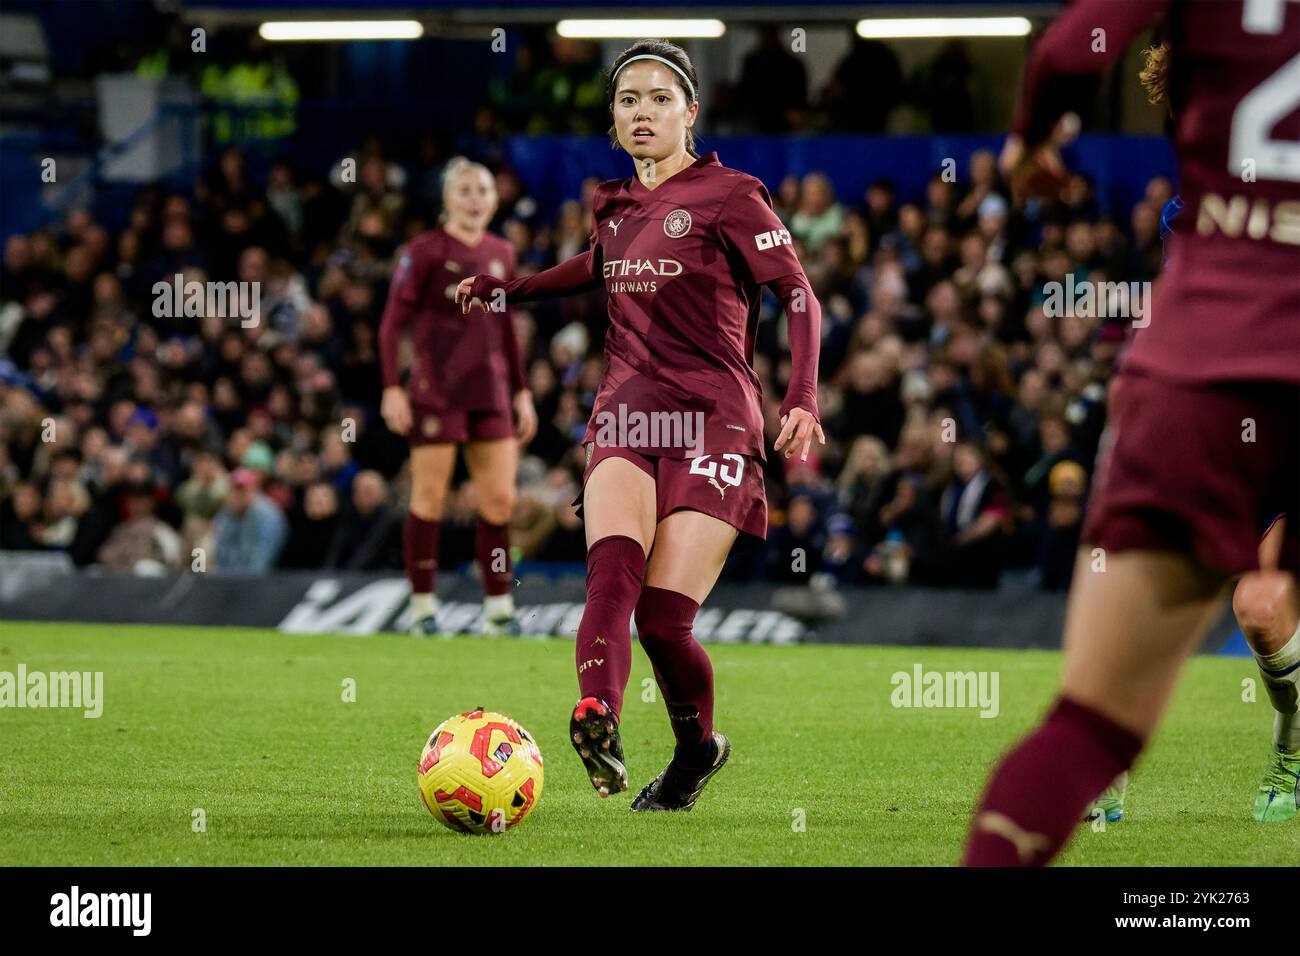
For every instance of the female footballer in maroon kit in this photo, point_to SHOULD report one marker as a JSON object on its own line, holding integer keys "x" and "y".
{"x": 675, "y": 444}
{"x": 1202, "y": 446}
{"x": 465, "y": 377}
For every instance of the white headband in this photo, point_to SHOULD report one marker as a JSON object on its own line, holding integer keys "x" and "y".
{"x": 668, "y": 63}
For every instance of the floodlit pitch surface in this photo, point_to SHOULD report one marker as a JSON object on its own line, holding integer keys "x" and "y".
{"x": 248, "y": 733}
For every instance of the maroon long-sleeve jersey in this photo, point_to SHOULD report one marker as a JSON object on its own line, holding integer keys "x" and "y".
{"x": 468, "y": 362}
{"x": 1227, "y": 306}
{"x": 683, "y": 265}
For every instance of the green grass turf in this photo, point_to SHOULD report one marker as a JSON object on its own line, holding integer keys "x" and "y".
{"x": 250, "y": 726}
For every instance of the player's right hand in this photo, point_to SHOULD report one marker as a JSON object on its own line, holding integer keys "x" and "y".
{"x": 463, "y": 297}
{"x": 396, "y": 410}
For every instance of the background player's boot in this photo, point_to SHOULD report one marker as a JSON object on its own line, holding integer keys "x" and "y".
{"x": 1279, "y": 792}
{"x": 505, "y": 625}
{"x": 593, "y": 728}
{"x": 1111, "y": 801}
{"x": 426, "y": 626}
{"x": 679, "y": 786}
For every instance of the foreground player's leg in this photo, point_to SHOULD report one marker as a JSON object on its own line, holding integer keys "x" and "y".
{"x": 690, "y": 548}
{"x": 1128, "y": 631}
{"x": 619, "y": 512}
{"x": 492, "y": 467}
{"x": 431, "y": 468}
{"x": 1266, "y": 608}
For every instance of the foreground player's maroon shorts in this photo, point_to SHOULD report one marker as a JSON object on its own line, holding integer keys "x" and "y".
{"x": 434, "y": 426}
{"x": 1202, "y": 469}
{"x": 727, "y": 486}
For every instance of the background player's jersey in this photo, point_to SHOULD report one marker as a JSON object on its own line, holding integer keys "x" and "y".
{"x": 459, "y": 361}
{"x": 683, "y": 265}
{"x": 1228, "y": 304}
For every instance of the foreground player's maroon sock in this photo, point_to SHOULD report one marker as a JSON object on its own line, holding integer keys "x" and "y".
{"x": 420, "y": 552}
{"x": 615, "y": 570}
{"x": 492, "y": 551}
{"x": 682, "y": 668}
{"x": 1040, "y": 791}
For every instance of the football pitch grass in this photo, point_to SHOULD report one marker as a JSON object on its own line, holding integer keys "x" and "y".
{"x": 251, "y": 728}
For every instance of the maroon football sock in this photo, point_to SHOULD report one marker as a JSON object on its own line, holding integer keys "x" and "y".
{"x": 420, "y": 552}
{"x": 615, "y": 569}
{"x": 492, "y": 551}
{"x": 682, "y": 668}
{"x": 1040, "y": 791}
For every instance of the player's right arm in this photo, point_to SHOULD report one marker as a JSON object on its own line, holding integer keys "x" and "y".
{"x": 571, "y": 277}
{"x": 399, "y": 312}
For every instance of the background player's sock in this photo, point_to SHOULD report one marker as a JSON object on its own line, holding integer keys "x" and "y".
{"x": 663, "y": 623}
{"x": 420, "y": 555}
{"x": 492, "y": 552}
{"x": 423, "y": 605}
{"x": 1281, "y": 673}
{"x": 498, "y": 606}
{"x": 615, "y": 570}
{"x": 1039, "y": 792}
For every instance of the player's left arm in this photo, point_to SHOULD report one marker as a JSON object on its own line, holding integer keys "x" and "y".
{"x": 803, "y": 314}
{"x": 521, "y": 397}
{"x": 1086, "y": 38}
{"x": 752, "y": 230}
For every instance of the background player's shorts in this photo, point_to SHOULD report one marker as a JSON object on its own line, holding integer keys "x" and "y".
{"x": 727, "y": 486}
{"x": 1202, "y": 469}
{"x": 434, "y": 426}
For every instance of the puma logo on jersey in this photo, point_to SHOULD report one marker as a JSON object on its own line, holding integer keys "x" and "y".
{"x": 614, "y": 225}
{"x": 1027, "y": 844}
{"x": 773, "y": 237}
{"x": 721, "y": 490}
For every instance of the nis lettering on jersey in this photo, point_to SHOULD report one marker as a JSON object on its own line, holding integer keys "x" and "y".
{"x": 638, "y": 268}
{"x": 773, "y": 237}
{"x": 1238, "y": 216}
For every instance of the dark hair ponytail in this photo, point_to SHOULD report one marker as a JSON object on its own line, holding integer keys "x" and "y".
{"x": 669, "y": 51}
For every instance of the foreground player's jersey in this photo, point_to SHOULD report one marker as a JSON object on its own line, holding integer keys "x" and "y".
{"x": 459, "y": 361}
{"x": 683, "y": 265}
{"x": 1228, "y": 304}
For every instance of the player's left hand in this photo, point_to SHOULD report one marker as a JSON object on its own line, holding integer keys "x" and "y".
{"x": 525, "y": 417}
{"x": 798, "y": 426}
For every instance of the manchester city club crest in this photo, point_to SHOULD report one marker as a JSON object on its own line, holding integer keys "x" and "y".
{"x": 677, "y": 223}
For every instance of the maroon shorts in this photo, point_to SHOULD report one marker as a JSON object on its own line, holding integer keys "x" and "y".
{"x": 1200, "y": 469}
{"x": 436, "y": 426}
{"x": 727, "y": 486}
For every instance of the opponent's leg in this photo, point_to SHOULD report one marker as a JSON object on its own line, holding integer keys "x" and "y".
{"x": 431, "y": 469}
{"x": 1128, "y": 631}
{"x": 619, "y": 513}
{"x": 1265, "y": 605}
{"x": 689, "y": 551}
{"x": 493, "y": 466}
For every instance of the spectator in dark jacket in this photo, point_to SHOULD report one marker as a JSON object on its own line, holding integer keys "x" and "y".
{"x": 369, "y": 534}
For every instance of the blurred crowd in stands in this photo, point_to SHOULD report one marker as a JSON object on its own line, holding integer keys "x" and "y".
{"x": 961, "y": 418}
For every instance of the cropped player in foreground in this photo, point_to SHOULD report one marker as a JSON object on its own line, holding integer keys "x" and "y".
{"x": 465, "y": 377}
{"x": 1264, "y": 601}
{"x": 675, "y": 444}
{"x": 1203, "y": 445}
